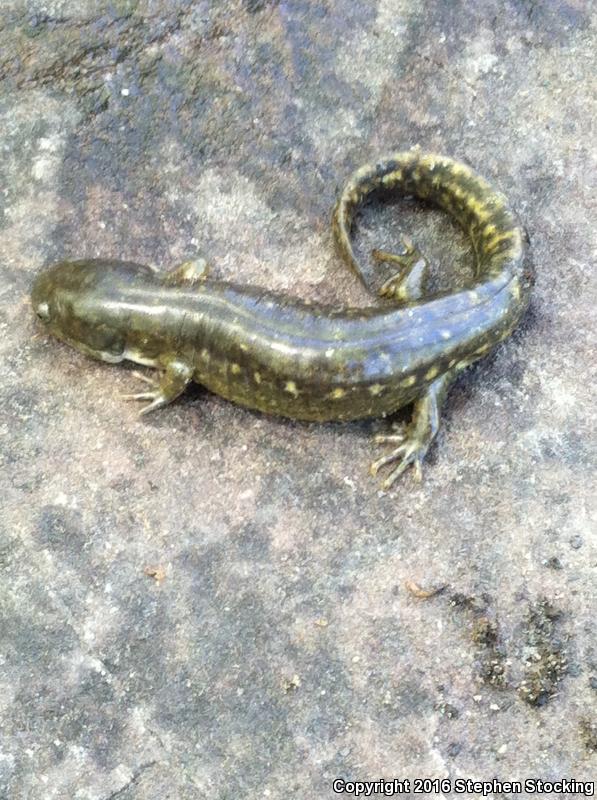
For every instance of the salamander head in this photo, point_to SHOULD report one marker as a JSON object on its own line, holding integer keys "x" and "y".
{"x": 72, "y": 300}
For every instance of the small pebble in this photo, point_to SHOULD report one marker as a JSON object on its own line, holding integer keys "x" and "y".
{"x": 576, "y": 542}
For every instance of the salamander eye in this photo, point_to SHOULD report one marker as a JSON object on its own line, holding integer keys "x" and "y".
{"x": 43, "y": 311}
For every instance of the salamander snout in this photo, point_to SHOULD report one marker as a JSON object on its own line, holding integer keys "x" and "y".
{"x": 56, "y": 286}
{"x": 40, "y": 297}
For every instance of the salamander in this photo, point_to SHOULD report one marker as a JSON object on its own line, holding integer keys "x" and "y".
{"x": 308, "y": 361}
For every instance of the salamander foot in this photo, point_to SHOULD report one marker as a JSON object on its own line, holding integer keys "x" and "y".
{"x": 153, "y": 394}
{"x": 411, "y": 450}
{"x": 414, "y": 439}
{"x": 174, "y": 380}
{"x": 406, "y": 285}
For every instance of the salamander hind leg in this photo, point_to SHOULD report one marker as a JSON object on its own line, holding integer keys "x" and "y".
{"x": 414, "y": 440}
{"x": 173, "y": 381}
{"x": 408, "y": 284}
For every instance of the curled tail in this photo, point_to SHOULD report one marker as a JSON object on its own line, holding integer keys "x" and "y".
{"x": 498, "y": 240}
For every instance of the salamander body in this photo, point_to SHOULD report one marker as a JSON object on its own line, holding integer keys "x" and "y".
{"x": 280, "y": 355}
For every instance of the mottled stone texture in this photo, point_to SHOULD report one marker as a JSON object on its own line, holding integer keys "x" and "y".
{"x": 208, "y": 603}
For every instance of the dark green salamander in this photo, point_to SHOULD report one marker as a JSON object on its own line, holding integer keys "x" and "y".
{"x": 301, "y": 360}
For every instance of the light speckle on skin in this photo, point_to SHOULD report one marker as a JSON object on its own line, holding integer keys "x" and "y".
{"x": 204, "y": 354}
{"x": 235, "y": 369}
{"x": 410, "y": 381}
{"x": 376, "y": 389}
{"x": 432, "y": 373}
{"x": 337, "y": 394}
{"x": 290, "y": 387}
{"x": 257, "y": 377}
{"x": 392, "y": 178}
{"x": 496, "y": 240}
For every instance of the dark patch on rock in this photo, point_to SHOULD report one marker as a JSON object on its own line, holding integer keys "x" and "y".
{"x": 588, "y": 732}
{"x": 545, "y": 655}
{"x": 253, "y": 6}
{"x": 61, "y": 529}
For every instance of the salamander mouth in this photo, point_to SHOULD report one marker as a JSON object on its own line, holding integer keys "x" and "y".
{"x": 110, "y": 357}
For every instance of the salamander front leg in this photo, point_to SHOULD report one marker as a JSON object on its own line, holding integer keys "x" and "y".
{"x": 414, "y": 440}
{"x": 188, "y": 274}
{"x": 406, "y": 285}
{"x": 174, "y": 380}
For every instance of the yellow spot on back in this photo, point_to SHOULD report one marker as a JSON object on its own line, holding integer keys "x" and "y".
{"x": 337, "y": 394}
{"x": 410, "y": 381}
{"x": 291, "y": 388}
{"x": 376, "y": 389}
{"x": 496, "y": 240}
{"x": 432, "y": 373}
{"x": 257, "y": 377}
{"x": 363, "y": 172}
{"x": 483, "y": 213}
{"x": 392, "y": 178}
{"x": 235, "y": 369}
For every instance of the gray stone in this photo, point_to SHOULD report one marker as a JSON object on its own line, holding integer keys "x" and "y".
{"x": 211, "y": 603}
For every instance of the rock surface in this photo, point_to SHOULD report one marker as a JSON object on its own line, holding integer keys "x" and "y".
{"x": 208, "y": 603}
